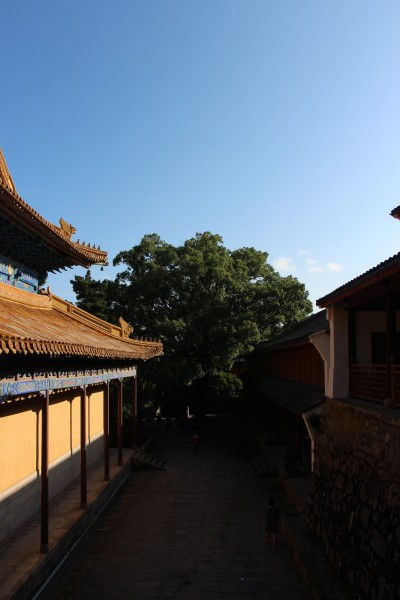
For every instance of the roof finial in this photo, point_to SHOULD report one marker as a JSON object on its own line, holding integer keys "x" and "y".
{"x": 396, "y": 213}
{"x": 5, "y": 176}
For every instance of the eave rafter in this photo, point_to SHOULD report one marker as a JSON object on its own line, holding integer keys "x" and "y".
{"x": 23, "y": 346}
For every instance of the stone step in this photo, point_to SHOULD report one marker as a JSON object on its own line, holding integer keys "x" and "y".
{"x": 262, "y": 468}
{"x": 141, "y": 461}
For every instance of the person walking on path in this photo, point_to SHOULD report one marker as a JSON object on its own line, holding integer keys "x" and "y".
{"x": 195, "y": 442}
{"x": 271, "y": 522}
{"x": 192, "y": 530}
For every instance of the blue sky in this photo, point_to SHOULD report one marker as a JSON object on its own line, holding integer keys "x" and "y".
{"x": 272, "y": 123}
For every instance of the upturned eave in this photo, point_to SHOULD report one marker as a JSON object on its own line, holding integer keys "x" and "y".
{"x": 21, "y": 213}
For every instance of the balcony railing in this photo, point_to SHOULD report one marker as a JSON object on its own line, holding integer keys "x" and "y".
{"x": 373, "y": 382}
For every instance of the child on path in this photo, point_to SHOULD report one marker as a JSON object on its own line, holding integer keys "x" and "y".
{"x": 195, "y": 442}
{"x": 271, "y": 522}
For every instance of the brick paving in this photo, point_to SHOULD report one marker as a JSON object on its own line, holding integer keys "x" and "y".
{"x": 190, "y": 532}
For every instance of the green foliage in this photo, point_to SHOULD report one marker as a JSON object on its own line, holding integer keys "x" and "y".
{"x": 208, "y": 305}
{"x": 96, "y": 297}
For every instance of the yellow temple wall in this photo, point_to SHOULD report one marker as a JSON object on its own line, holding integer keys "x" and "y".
{"x": 19, "y": 441}
{"x": 20, "y": 450}
{"x": 95, "y": 412}
{"x": 64, "y": 425}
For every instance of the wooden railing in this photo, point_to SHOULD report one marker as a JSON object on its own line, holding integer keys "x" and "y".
{"x": 396, "y": 384}
{"x": 371, "y": 382}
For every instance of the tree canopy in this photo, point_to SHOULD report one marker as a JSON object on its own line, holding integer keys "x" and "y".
{"x": 208, "y": 305}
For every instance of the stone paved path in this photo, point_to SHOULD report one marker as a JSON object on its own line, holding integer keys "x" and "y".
{"x": 191, "y": 532}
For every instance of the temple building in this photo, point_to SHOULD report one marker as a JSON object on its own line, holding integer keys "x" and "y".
{"x": 284, "y": 379}
{"x": 56, "y": 365}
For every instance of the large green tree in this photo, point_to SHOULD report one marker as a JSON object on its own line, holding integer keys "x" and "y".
{"x": 208, "y": 305}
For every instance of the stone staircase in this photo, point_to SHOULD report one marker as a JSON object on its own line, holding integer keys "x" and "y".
{"x": 144, "y": 461}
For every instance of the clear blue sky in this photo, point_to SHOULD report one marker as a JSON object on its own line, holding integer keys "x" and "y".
{"x": 274, "y": 123}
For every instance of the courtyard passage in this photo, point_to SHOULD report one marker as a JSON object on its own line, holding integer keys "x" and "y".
{"x": 192, "y": 531}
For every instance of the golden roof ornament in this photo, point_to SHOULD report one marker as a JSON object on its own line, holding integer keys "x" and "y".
{"x": 126, "y": 327}
{"x": 5, "y": 176}
{"x": 67, "y": 228}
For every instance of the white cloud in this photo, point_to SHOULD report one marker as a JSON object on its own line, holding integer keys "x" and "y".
{"x": 313, "y": 266}
{"x": 311, "y": 261}
{"x": 284, "y": 264}
{"x": 330, "y": 267}
{"x": 334, "y": 267}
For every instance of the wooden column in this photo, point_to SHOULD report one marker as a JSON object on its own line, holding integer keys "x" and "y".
{"x": 285, "y": 426}
{"x": 352, "y": 346}
{"x": 83, "y": 449}
{"x": 299, "y": 439}
{"x": 390, "y": 348}
{"x": 134, "y": 412}
{"x": 44, "y": 474}
{"x": 106, "y": 424}
{"x": 119, "y": 422}
{"x": 351, "y": 320}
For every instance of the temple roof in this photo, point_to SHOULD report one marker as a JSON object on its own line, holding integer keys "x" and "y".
{"x": 384, "y": 270}
{"x": 296, "y": 334}
{"x": 47, "y": 325}
{"x": 296, "y": 396}
{"x": 378, "y": 274}
{"x": 26, "y": 236}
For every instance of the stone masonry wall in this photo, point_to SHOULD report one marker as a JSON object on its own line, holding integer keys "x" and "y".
{"x": 355, "y": 498}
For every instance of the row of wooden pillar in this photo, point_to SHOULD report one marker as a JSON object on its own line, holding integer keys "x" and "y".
{"x": 44, "y": 535}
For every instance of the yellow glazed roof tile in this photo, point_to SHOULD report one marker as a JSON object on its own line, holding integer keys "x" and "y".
{"x": 46, "y": 324}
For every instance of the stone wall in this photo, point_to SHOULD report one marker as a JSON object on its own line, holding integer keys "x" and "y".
{"x": 355, "y": 498}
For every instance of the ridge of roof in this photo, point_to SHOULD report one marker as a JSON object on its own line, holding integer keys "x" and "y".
{"x": 78, "y": 314}
{"x": 380, "y": 271}
{"x": 297, "y": 396}
{"x": 23, "y": 297}
{"x": 373, "y": 275}
{"x": 297, "y": 332}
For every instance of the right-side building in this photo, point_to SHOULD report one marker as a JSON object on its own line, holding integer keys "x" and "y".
{"x": 354, "y": 504}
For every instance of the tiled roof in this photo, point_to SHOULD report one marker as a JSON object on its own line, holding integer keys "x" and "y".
{"x": 47, "y": 325}
{"x": 295, "y": 396}
{"x": 296, "y": 333}
{"x": 387, "y": 268}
